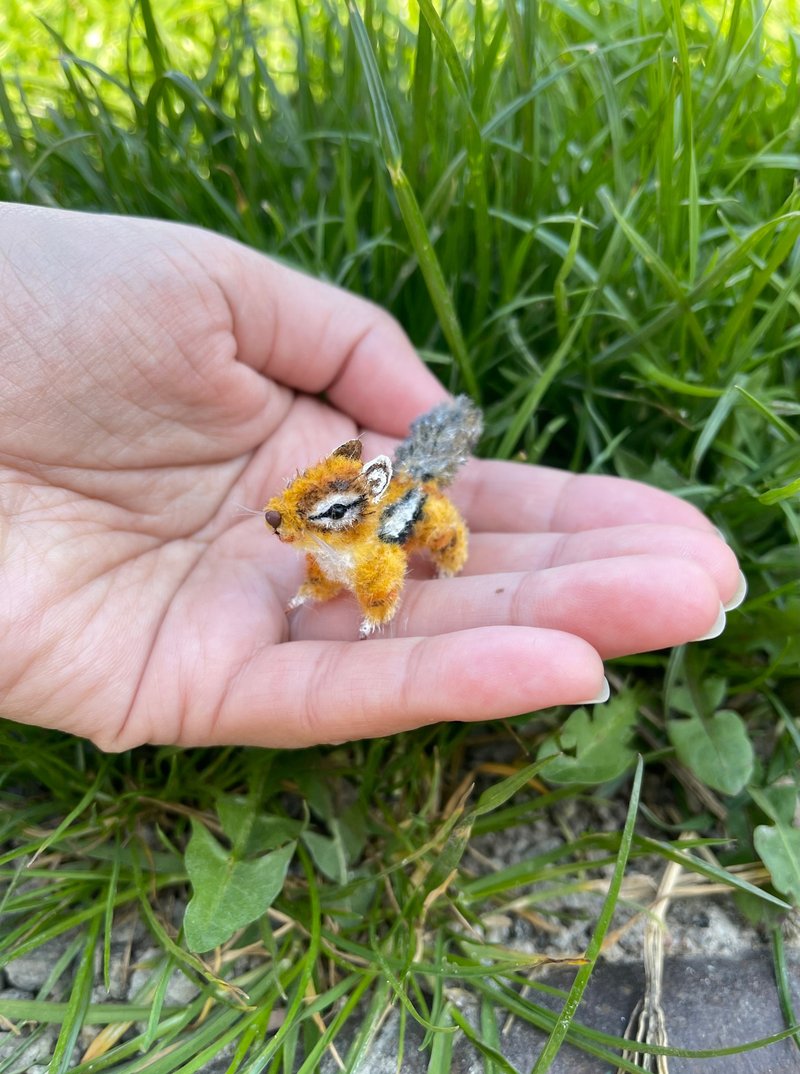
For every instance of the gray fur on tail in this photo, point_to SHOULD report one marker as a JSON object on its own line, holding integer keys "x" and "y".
{"x": 440, "y": 441}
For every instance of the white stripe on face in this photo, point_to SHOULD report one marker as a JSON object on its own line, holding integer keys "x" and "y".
{"x": 337, "y": 510}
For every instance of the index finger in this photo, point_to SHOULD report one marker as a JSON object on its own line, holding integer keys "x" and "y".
{"x": 301, "y": 693}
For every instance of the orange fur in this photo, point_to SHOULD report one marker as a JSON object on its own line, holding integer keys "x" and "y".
{"x": 358, "y": 524}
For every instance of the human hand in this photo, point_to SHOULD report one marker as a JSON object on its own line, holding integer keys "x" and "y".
{"x": 155, "y": 377}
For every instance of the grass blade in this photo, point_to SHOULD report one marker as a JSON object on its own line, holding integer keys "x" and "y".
{"x": 564, "y": 1021}
{"x": 409, "y": 207}
{"x": 784, "y": 983}
{"x": 78, "y": 1003}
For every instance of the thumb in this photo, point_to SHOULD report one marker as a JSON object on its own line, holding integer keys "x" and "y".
{"x": 315, "y": 337}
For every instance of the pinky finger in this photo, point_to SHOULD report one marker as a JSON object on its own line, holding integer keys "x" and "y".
{"x": 303, "y": 693}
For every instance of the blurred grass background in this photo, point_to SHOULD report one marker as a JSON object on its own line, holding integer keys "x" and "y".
{"x": 587, "y": 216}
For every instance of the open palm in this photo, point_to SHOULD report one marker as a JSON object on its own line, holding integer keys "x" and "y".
{"x": 158, "y": 381}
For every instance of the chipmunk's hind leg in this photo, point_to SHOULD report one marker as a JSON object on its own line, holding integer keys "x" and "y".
{"x": 444, "y": 534}
{"x": 449, "y": 551}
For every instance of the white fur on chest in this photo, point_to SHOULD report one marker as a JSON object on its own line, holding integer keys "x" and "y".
{"x": 335, "y": 564}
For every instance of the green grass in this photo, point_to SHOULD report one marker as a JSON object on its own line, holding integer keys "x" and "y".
{"x": 584, "y": 214}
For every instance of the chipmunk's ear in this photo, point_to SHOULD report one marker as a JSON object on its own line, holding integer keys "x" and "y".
{"x": 378, "y": 474}
{"x": 350, "y": 450}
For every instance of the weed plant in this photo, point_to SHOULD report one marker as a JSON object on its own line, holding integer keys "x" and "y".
{"x": 585, "y": 215}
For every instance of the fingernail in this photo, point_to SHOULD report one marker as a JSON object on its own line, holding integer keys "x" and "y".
{"x": 604, "y": 695}
{"x": 716, "y": 629}
{"x": 738, "y": 596}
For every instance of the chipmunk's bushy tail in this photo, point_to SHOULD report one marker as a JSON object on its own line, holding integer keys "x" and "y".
{"x": 440, "y": 441}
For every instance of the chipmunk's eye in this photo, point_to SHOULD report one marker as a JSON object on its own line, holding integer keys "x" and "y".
{"x": 337, "y": 512}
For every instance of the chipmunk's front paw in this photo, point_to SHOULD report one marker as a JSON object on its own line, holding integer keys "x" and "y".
{"x": 298, "y": 600}
{"x": 368, "y": 627}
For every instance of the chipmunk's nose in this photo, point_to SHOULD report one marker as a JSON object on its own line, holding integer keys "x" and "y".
{"x": 273, "y": 519}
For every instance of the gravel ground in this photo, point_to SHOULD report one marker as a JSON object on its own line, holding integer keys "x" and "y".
{"x": 718, "y": 978}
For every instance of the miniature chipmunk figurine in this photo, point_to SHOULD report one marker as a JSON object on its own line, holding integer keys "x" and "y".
{"x": 358, "y": 523}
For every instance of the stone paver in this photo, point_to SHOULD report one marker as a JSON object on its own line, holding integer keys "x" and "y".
{"x": 708, "y": 1003}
